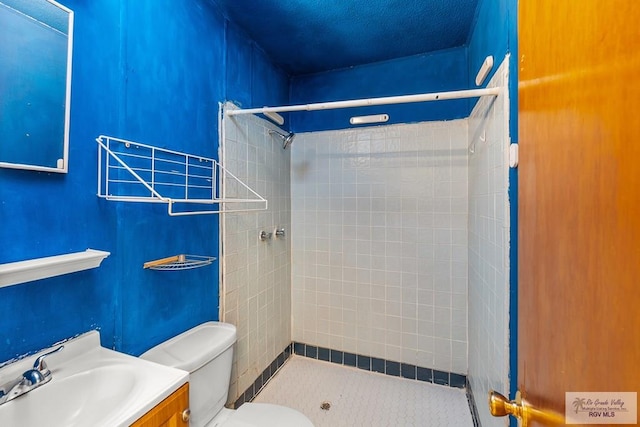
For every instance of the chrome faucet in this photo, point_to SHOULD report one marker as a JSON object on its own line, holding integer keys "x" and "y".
{"x": 31, "y": 379}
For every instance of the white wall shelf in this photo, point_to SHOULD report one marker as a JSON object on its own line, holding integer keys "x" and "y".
{"x": 14, "y": 273}
{"x": 129, "y": 171}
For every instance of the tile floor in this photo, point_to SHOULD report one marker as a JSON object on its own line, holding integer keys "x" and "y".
{"x": 359, "y": 398}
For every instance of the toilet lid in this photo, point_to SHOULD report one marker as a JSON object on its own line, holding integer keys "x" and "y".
{"x": 266, "y": 415}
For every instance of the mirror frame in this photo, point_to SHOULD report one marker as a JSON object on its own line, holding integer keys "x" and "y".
{"x": 64, "y": 167}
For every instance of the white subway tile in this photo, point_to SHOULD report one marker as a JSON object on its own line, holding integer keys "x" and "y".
{"x": 488, "y": 250}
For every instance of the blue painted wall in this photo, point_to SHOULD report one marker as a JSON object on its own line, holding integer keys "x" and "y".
{"x": 252, "y": 80}
{"x": 490, "y": 36}
{"x": 495, "y": 33}
{"x": 152, "y": 71}
{"x": 434, "y": 72}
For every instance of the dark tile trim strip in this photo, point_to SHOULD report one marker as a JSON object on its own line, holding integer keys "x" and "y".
{"x": 472, "y": 406}
{"x": 383, "y": 366}
{"x": 266, "y": 375}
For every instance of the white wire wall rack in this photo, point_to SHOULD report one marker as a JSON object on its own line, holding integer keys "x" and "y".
{"x": 129, "y": 171}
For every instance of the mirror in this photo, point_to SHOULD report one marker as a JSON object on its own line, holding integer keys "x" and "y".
{"x": 35, "y": 84}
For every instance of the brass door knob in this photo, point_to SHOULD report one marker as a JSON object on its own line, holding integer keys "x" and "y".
{"x": 186, "y": 415}
{"x": 500, "y": 406}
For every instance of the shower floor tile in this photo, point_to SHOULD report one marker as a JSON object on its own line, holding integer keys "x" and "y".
{"x": 362, "y": 398}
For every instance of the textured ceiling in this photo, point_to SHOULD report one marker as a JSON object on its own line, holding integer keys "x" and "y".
{"x": 309, "y": 36}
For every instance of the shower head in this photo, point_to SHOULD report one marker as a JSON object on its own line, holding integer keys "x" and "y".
{"x": 286, "y": 139}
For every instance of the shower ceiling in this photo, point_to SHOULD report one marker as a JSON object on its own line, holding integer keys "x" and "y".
{"x": 310, "y": 36}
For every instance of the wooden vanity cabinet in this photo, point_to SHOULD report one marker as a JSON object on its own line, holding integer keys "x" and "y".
{"x": 171, "y": 412}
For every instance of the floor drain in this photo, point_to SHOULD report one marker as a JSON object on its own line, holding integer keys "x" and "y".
{"x": 325, "y": 406}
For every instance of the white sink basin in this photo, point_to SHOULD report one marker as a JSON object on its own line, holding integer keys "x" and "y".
{"x": 90, "y": 386}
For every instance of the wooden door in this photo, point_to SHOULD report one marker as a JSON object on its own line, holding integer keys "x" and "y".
{"x": 579, "y": 199}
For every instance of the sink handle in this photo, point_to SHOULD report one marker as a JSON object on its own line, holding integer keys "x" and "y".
{"x": 41, "y": 366}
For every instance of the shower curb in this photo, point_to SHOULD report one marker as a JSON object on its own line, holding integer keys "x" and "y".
{"x": 264, "y": 377}
{"x": 475, "y": 416}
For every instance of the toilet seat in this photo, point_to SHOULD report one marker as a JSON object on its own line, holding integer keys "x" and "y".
{"x": 266, "y": 415}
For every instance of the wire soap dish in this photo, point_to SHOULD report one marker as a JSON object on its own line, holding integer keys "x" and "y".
{"x": 179, "y": 262}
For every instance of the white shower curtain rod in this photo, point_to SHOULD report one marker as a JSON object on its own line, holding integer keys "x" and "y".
{"x": 403, "y": 99}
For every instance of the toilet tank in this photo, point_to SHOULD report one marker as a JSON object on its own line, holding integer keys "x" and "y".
{"x": 206, "y": 352}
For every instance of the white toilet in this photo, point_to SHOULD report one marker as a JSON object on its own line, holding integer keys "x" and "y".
{"x": 206, "y": 352}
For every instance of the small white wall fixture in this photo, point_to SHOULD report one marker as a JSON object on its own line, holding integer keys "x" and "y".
{"x": 484, "y": 70}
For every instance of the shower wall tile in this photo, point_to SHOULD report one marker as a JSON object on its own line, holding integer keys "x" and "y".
{"x": 379, "y": 246}
{"x": 256, "y": 275}
{"x": 489, "y": 247}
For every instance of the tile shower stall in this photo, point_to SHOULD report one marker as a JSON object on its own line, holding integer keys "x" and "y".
{"x": 395, "y": 248}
